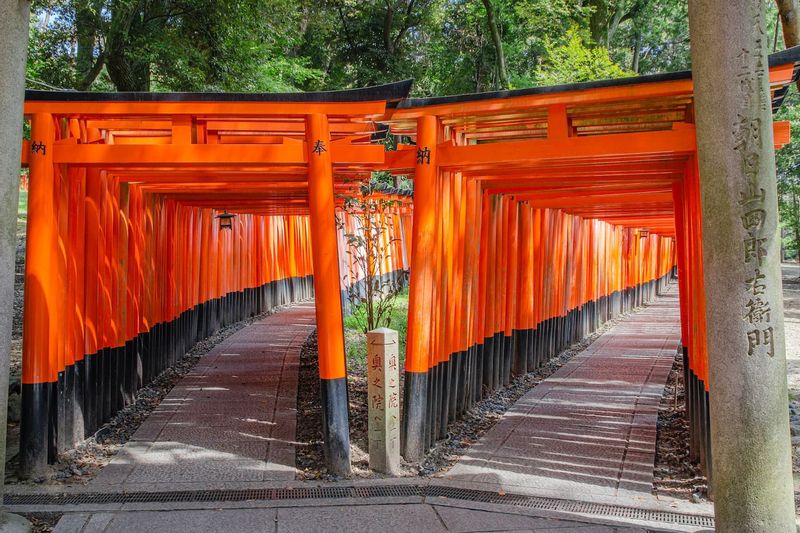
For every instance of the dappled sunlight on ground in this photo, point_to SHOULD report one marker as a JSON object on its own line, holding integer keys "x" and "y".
{"x": 230, "y": 419}
{"x": 590, "y": 428}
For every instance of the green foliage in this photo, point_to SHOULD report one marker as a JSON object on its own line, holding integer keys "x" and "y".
{"x": 291, "y": 45}
{"x": 656, "y": 38}
{"x": 22, "y": 206}
{"x": 163, "y": 45}
{"x": 576, "y": 61}
{"x": 787, "y": 161}
{"x": 356, "y": 339}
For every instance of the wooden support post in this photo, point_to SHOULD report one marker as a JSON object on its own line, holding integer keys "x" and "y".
{"x": 330, "y": 327}
{"x": 41, "y": 292}
{"x": 75, "y": 284}
{"x": 525, "y": 295}
{"x": 92, "y": 317}
{"x": 418, "y": 343}
{"x": 750, "y": 441}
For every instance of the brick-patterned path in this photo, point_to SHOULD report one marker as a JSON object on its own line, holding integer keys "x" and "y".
{"x": 590, "y": 428}
{"x": 230, "y": 420}
{"x": 587, "y": 430}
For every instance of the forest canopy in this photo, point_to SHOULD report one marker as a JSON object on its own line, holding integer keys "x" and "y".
{"x": 446, "y": 46}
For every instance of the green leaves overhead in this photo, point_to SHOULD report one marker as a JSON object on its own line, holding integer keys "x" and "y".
{"x": 447, "y": 46}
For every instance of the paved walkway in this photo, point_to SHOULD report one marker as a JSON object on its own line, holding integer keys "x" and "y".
{"x": 352, "y": 517}
{"x": 587, "y": 430}
{"x": 231, "y": 419}
{"x": 590, "y": 428}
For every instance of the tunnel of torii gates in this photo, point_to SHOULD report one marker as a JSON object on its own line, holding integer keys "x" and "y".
{"x": 537, "y": 215}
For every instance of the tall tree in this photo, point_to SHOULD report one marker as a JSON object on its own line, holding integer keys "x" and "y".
{"x": 494, "y": 30}
{"x": 607, "y": 15}
{"x": 139, "y": 45}
{"x": 790, "y": 21}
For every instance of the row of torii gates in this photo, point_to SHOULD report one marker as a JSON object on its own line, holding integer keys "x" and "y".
{"x": 537, "y": 215}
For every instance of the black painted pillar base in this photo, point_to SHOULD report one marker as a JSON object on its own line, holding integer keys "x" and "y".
{"x": 519, "y": 344}
{"x": 335, "y": 425}
{"x": 34, "y": 429}
{"x": 415, "y": 410}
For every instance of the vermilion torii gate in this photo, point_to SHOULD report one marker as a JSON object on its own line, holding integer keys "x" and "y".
{"x": 128, "y": 262}
{"x": 538, "y": 214}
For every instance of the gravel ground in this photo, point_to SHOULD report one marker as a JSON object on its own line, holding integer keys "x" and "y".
{"x": 19, "y": 296}
{"x": 675, "y": 475}
{"x": 791, "y": 302}
{"x": 80, "y": 465}
{"x": 43, "y": 522}
{"x": 447, "y": 451}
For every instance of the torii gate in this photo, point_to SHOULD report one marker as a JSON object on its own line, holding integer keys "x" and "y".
{"x": 538, "y": 213}
{"x": 109, "y": 173}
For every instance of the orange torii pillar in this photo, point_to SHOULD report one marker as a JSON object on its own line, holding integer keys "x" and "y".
{"x": 330, "y": 326}
{"x": 40, "y": 337}
{"x": 420, "y": 303}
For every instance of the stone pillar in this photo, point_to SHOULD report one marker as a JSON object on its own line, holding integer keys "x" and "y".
{"x": 383, "y": 397}
{"x": 750, "y": 440}
{"x": 13, "y": 42}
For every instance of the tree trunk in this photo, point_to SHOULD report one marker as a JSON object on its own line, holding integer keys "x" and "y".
{"x": 491, "y": 19}
{"x": 790, "y": 21}
{"x": 620, "y": 14}
{"x": 85, "y": 31}
{"x": 637, "y": 40}
{"x": 127, "y": 72}
{"x": 598, "y": 22}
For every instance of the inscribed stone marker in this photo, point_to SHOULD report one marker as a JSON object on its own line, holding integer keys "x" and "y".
{"x": 383, "y": 397}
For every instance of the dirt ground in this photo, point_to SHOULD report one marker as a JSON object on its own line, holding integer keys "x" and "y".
{"x": 461, "y": 434}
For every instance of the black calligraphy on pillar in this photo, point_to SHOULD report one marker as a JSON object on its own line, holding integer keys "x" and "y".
{"x": 319, "y": 147}
{"x": 423, "y": 156}
{"x": 38, "y": 148}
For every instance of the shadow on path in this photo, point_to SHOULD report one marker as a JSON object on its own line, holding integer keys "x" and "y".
{"x": 231, "y": 419}
{"x": 590, "y": 428}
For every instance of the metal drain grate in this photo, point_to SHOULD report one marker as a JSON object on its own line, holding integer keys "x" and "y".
{"x": 375, "y": 491}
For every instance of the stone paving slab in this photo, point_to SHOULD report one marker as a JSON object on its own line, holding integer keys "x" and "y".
{"x": 590, "y": 428}
{"x": 367, "y": 518}
{"x": 231, "y": 419}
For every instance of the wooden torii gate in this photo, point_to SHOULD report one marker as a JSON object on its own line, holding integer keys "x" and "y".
{"x": 489, "y": 170}
{"x": 538, "y": 214}
{"x": 127, "y": 264}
